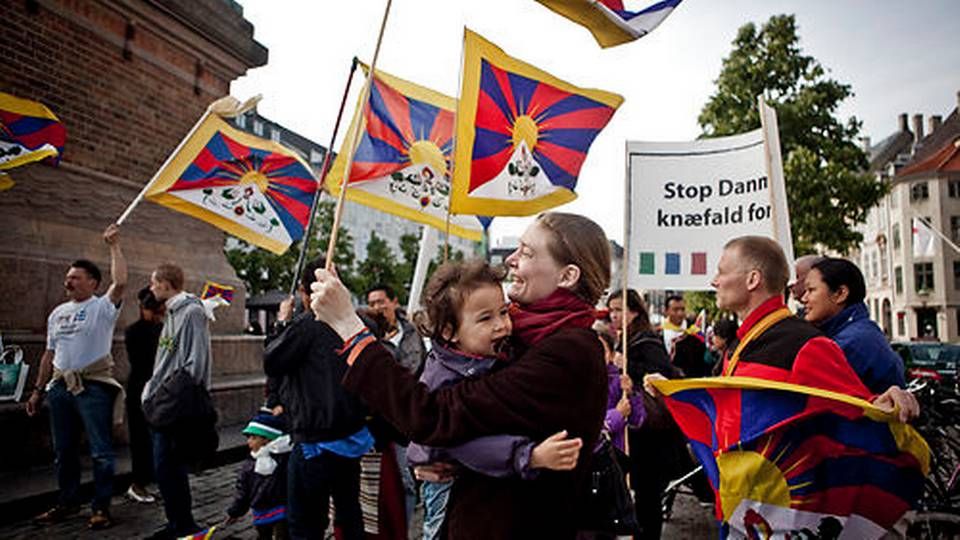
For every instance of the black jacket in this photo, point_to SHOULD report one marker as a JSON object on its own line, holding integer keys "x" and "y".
{"x": 646, "y": 354}
{"x": 258, "y": 491}
{"x": 305, "y": 356}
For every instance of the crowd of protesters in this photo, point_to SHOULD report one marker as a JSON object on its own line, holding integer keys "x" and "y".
{"x": 489, "y": 411}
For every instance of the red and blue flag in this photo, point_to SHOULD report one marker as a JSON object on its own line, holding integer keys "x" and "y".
{"x": 253, "y": 188}
{"x": 29, "y": 132}
{"x": 216, "y": 290}
{"x": 522, "y": 134}
{"x": 610, "y": 22}
{"x": 403, "y": 160}
{"x": 784, "y": 459}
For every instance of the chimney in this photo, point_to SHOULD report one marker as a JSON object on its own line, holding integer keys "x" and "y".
{"x": 917, "y": 128}
{"x": 903, "y": 118}
{"x": 933, "y": 123}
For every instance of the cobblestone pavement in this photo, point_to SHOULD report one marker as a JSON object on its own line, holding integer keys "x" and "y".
{"x": 213, "y": 490}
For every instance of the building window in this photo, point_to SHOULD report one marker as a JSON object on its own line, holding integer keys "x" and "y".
{"x": 923, "y": 276}
{"x": 896, "y": 236}
{"x": 901, "y": 323}
{"x": 258, "y": 128}
{"x": 898, "y": 279}
{"x": 954, "y": 188}
{"x": 873, "y": 265}
{"x": 956, "y": 275}
{"x": 919, "y": 192}
{"x": 955, "y": 228}
{"x": 884, "y": 273}
{"x": 241, "y": 121}
{"x": 275, "y": 135}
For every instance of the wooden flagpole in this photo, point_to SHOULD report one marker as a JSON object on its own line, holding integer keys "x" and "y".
{"x": 351, "y": 148}
{"x": 324, "y": 169}
{"x": 624, "y": 341}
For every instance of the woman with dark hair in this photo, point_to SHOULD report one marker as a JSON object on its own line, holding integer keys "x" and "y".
{"x": 723, "y": 341}
{"x": 657, "y": 449}
{"x": 834, "y": 303}
{"x": 556, "y": 380}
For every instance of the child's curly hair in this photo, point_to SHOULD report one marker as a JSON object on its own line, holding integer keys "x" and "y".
{"x": 444, "y": 295}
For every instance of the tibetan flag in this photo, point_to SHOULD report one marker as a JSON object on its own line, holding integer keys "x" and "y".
{"x": 522, "y": 134}
{"x": 699, "y": 327}
{"x": 403, "y": 159}
{"x": 252, "y": 188}
{"x": 609, "y": 21}
{"x": 28, "y": 132}
{"x": 790, "y": 460}
{"x": 215, "y": 290}
{"x": 205, "y": 534}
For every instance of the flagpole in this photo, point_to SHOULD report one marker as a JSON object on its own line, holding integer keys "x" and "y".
{"x": 351, "y": 149}
{"x": 143, "y": 192}
{"x": 623, "y": 302}
{"x": 936, "y": 231}
{"x": 324, "y": 169}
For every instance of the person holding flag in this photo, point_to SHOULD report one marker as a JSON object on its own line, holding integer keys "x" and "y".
{"x": 556, "y": 381}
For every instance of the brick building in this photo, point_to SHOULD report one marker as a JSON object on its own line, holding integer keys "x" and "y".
{"x": 128, "y": 78}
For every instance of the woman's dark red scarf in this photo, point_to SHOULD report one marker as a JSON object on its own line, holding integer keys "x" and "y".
{"x": 562, "y": 309}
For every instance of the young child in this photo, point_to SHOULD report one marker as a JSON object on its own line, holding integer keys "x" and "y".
{"x": 262, "y": 479}
{"x": 467, "y": 319}
{"x": 621, "y": 410}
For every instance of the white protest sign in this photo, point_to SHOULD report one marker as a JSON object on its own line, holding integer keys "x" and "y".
{"x": 687, "y": 199}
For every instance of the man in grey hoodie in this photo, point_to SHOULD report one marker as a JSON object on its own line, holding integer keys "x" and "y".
{"x": 184, "y": 343}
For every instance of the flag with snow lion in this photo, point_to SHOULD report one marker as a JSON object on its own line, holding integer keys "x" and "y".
{"x": 522, "y": 134}
{"x": 790, "y": 461}
{"x": 403, "y": 159}
{"x": 253, "y": 188}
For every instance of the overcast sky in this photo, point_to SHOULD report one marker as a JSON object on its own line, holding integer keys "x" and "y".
{"x": 898, "y": 56}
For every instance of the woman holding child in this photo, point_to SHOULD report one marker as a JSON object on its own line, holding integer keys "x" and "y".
{"x": 555, "y": 381}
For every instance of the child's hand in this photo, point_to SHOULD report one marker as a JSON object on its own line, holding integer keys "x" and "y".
{"x": 556, "y": 452}
{"x": 435, "y": 472}
{"x": 626, "y": 383}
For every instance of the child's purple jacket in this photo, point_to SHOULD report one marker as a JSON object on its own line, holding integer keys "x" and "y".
{"x": 493, "y": 455}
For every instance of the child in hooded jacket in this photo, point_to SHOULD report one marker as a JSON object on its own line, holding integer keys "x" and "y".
{"x": 467, "y": 319}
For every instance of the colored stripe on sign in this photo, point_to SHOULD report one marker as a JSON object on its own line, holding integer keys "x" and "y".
{"x": 647, "y": 262}
{"x": 698, "y": 263}
{"x": 672, "y": 264}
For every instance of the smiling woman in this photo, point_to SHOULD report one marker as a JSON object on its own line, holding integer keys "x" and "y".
{"x": 556, "y": 381}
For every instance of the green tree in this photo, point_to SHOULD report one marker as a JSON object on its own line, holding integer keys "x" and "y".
{"x": 380, "y": 266}
{"x": 263, "y": 271}
{"x": 827, "y": 188}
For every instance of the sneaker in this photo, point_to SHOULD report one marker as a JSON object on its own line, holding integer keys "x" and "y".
{"x": 140, "y": 495}
{"x": 99, "y": 520}
{"x": 56, "y": 514}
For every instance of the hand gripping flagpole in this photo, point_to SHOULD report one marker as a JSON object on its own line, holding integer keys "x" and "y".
{"x": 225, "y": 106}
{"x": 352, "y": 147}
{"x": 324, "y": 169}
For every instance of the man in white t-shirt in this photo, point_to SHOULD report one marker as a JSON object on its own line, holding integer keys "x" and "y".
{"x": 76, "y": 374}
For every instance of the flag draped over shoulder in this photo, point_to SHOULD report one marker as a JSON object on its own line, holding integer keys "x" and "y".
{"x": 216, "y": 290}
{"x": 609, "y": 22}
{"x": 402, "y": 162}
{"x": 253, "y": 188}
{"x": 522, "y": 134}
{"x": 29, "y": 132}
{"x": 787, "y": 458}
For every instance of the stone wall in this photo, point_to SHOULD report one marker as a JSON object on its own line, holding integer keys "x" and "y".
{"x": 128, "y": 79}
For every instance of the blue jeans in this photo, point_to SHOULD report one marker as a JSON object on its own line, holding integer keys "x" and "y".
{"x": 409, "y": 484}
{"x": 310, "y": 485}
{"x": 92, "y": 409}
{"x": 435, "y": 496}
{"x": 174, "y": 483}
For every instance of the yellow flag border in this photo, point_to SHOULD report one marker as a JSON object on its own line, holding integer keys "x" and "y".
{"x": 335, "y": 175}
{"x": 191, "y": 148}
{"x": 586, "y": 14}
{"x": 906, "y": 436}
{"x": 475, "y": 50}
